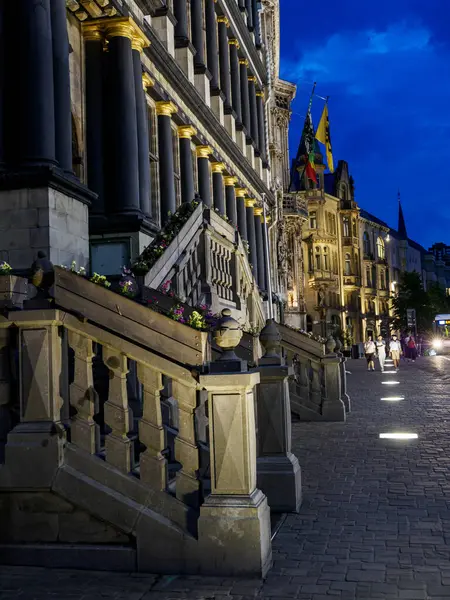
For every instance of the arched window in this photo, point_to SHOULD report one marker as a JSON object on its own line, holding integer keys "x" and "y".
{"x": 326, "y": 262}
{"x": 354, "y": 228}
{"x": 366, "y": 244}
{"x": 318, "y": 261}
{"x": 343, "y": 192}
{"x": 356, "y": 264}
{"x": 381, "y": 250}
{"x": 313, "y": 220}
{"x": 346, "y": 226}
{"x": 348, "y": 264}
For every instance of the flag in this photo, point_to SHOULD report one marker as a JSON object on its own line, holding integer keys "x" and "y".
{"x": 308, "y": 137}
{"x": 323, "y": 136}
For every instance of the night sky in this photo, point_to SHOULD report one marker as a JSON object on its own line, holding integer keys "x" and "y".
{"x": 386, "y": 67}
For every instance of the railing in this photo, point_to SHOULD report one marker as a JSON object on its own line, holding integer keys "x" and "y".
{"x": 321, "y": 275}
{"x": 295, "y": 205}
{"x": 352, "y": 280}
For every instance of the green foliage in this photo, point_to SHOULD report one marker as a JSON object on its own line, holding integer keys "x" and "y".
{"x": 100, "y": 280}
{"x": 5, "y": 268}
{"x": 427, "y": 303}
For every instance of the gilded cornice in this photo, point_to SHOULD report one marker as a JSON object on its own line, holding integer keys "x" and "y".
{"x": 252, "y": 78}
{"x": 116, "y": 27}
{"x": 250, "y": 202}
{"x": 147, "y": 81}
{"x": 234, "y": 42}
{"x": 243, "y": 61}
{"x": 185, "y": 132}
{"x": 258, "y": 211}
{"x": 230, "y": 180}
{"x": 203, "y": 151}
{"x": 217, "y": 167}
{"x": 241, "y": 192}
{"x": 260, "y": 95}
{"x": 165, "y": 109}
{"x": 223, "y": 19}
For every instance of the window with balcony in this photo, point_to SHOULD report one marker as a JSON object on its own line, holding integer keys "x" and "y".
{"x": 383, "y": 280}
{"x": 366, "y": 244}
{"x": 381, "y": 250}
{"x": 346, "y": 226}
{"x": 326, "y": 259}
{"x": 354, "y": 228}
{"x": 348, "y": 265}
{"x": 313, "y": 220}
{"x": 318, "y": 258}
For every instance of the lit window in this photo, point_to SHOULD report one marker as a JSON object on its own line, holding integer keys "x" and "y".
{"x": 380, "y": 248}
{"x": 313, "y": 220}
{"x": 346, "y": 226}
{"x": 348, "y": 264}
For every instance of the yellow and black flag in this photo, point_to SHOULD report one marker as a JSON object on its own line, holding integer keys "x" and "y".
{"x": 323, "y": 136}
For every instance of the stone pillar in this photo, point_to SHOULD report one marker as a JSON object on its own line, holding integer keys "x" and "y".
{"x": 61, "y": 82}
{"x": 32, "y": 93}
{"x": 249, "y": 8}
{"x": 204, "y": 183}
{"x": 257, "y": 211}
{"x": 251, "y": 234}
{"x": 211, "y": 43}
{"x": 256, "y": 24}
{"x": 241, "y": 216}
{"x": 142, "y": 128}
{"x": 181, "y": 26}
{"x": 218, "y": 192}
{"x": 94, "y": 56}
{"x": 123, "y": 136}
{"x": 243, "y": 62}
{"x": 266, "y": 270}
{"x": 235, "y": 81}
{"x": 230, "y": 197}
{"x": 35, "y": 447}
{"x": 234, "y": 522}
{"x": 279, "y": 474}
{"x": 185, "y": 134}
{"x": 253, "y": 110}
{"x": 197, "y": 33}
{"x": 165, "y": 110}
{"x": 333, "y": 408}
{"x": 224, "y": 59}
{"x": 261, "y": 124}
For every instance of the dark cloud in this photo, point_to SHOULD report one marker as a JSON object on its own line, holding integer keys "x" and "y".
{"x": 386, "y": 73}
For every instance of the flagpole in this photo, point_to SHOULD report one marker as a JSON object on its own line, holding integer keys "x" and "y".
{"x": 297, "y": 157}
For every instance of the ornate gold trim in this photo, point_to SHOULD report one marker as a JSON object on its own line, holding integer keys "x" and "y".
{"x": 250, "y": 202}
{"x": 121, "y": 27}
{"x": 165, "y": 109}
{"x": 241, "y": 192}
{"x": 92, "y": 33}
{"x": 185, "y": 132}
{"x": 260, "y": 95}
{"x": 203, "y": 151}
{"x": 223, "y": 19}
{"x": 72, "y": 5}
{"x": 234, "y": 42}
{"x": 258, "y": 211}
{"x": 252, "y": 78}
{"x": 92, "y": 8}
{"x": 217, "y": 167}
{"x": 243, "y": 61}
{"x": 230, "y": 180}
{"x": 268, "y": 218}
{"x": 147, "y": 81}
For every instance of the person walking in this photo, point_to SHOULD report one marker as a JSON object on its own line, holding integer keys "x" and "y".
{"x": 370, "y": 350}
{"x": 412, "y": 349}
{"x": 395, "y": 351}
{"x": 380, "y": 345}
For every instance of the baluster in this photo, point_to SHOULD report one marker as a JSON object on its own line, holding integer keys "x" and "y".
{"x": 117, "y": 414}
{"x": 153, "y": 465}
{"x": 186, "y": 449}
{"x": 83, "y": 397}
{"x": 315, "y": 383}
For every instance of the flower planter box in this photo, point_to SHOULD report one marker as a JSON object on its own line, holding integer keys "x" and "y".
{"x": 13, "y": 291}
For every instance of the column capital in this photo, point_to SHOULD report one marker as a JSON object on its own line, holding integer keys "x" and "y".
{"x": 234, "y": 42}
{"x": 124, "y": 27}
{"x": 203, "y": 151}
{"x": 230, "y": 180}
{"x": 260, "y": 94}
{"x": 258, "y": 211}
{"x": 241, "y": 192}
{"x": 252, "y": 78}
{"x": 217, "y": 167}
{"x": 165, "y": 109}
{"x": 147, "y": 81}
{"x": 223, "y": 19}
{"x": 268, "y": 218}
{"x": 186, "y": 132}
{"x": 92, "y": 32}
{"x": 250, "y": 202}
{"x": 243, "y": 61}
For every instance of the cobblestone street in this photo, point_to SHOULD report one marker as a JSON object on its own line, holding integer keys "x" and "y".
{"x": 375, "y": 519}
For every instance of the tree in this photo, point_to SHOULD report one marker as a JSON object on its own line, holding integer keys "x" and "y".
{"x": 427, "y": 303}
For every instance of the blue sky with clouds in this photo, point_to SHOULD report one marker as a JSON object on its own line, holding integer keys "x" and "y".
{"x": 386, "y": 67}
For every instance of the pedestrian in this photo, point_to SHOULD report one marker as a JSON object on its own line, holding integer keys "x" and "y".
{"x": 395, "y": 351}
{"x": 370, "y": 350}
{"x": 412, "y": 349}
{"x": 381, "y": 351}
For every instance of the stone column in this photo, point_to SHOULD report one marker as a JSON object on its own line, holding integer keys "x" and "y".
{"x": 165, "y": 110}
{"x": 241, "y": 216}
{"x": 333, "y": 409}
{"x": 234, "y": 522}
{"x": 181, "y": 26}
{"x": 218, "y": 192}
{"x": 142, "y": 127}
{"x": 257, "y": 211}
{"x": 235, "y": 82}
{"x": 261, "y": 124}
{"x": 253, "y": 110}
{"x": 266, "y": 270}
{"x": 211, "y": 43}
{"x": 61, "y": 82}
{"x": 32, "y": 137}
{"x": 185, "y": 134}
{"x": 243, "y": 63}
{"x": 279, "y": 474}
{"x": 224, "y": 59}
{"x": 249, "y": 8}
{"x": 95, "y": 158}
{"x": 256, "y": 24}
{"x": 251, "y": 235}
{"x": 123, "y": 136}
{"x": 230, "y": 197}
{"x": 204, "y": 182}
{"x": 197, "y": 33}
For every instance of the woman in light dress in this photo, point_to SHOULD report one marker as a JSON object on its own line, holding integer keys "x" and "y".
{"x": 395, "y": 350}
{"x": 381, "y": 351}
{"x": 370, "y": 350}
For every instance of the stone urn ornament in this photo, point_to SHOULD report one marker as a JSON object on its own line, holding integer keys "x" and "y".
{"x": 330, "y": 344}
{"x": 227, "y": 335}
{"x": 270, "y": 339}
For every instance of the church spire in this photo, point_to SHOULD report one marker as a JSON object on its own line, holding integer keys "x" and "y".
{"x": 401, "y": 220}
